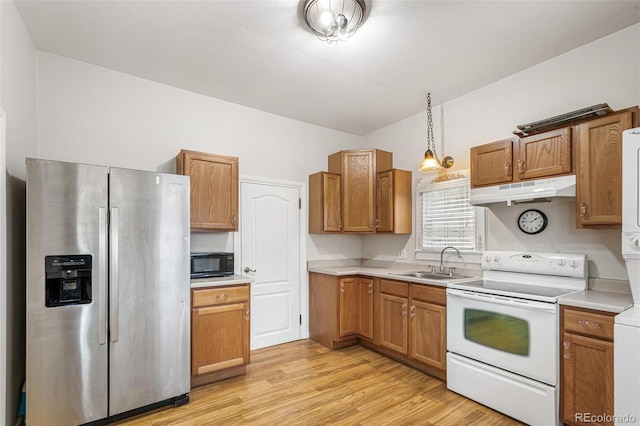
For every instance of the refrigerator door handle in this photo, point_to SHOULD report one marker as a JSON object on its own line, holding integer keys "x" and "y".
{"x": 102, "y": 276}
{"x": 113, "y": 273}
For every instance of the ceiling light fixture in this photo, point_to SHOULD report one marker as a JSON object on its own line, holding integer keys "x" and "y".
{"x": 334, "y": 20}
{"x": 431, "y": 162}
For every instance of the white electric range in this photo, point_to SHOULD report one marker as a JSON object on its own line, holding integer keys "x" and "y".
{"x": 503, "y": 332}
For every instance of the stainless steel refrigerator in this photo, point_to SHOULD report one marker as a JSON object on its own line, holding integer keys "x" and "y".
{"x": 108, "y": 324}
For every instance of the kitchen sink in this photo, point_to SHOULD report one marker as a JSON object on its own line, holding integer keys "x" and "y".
{"x": 431, "y": 275}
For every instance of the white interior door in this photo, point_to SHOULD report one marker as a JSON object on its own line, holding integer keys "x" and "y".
{"x": 270, "y": 233}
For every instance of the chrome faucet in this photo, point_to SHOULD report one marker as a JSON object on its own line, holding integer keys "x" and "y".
{"x": 442, "y": 254}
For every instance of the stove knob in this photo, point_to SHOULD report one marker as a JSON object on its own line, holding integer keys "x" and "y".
{"x": 574, "y": 264}
{"x": 634, "y": 243}
{"x": 496, "y": 258}
{"x": 561, "y": 262}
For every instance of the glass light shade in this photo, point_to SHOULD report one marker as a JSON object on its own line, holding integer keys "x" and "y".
{"x": 429, "y": 163}
{"x": 334, "y": 20}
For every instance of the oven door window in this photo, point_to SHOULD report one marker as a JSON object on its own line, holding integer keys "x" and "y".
{"x": 498, "y": 331}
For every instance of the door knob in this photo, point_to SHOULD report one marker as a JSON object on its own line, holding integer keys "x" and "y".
{"x": 247, "y": 270}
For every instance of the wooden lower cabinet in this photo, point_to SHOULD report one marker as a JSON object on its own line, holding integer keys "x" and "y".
{"x": 393, "y": 323}
{"x": 428, "y": 338}
{"x": 413, "y": 323}
{"x": 220, "y": 333}
{"x": 586, "y": 384}
{"x": 404, "y": 321}
{"x": 356, "y": 307}
{"x": 341, "y": 309}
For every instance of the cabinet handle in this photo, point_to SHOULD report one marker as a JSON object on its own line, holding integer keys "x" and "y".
{"x": 507, "y": 168}
{"x": 370, "y": 224}
{"x": 413, "y": 311}
{"x": 404, "y": 309}
{"x": 521, "y": 166}
{"x": 246, "y": 315}
{"x": 235, "y": 219}
{"x": 341, "y": 287}
{"x": 566, "y": 346}
{"x": 370, "y": 288}
{"x": 339, "y": 224}
{"x": 589, "y": 324}
{"x": 377, "y": 223}
{"x": 583, "y": 210}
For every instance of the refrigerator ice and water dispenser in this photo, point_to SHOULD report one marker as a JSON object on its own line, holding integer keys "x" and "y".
{"x": 68, "y": 280}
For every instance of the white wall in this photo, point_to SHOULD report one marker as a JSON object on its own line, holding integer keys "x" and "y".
{"x": 606, "y": 70}
{"x": 18, "y": 99}
{"x": 95, "y": 115}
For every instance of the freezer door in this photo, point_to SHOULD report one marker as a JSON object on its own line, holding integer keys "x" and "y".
{"x": 66, "y": 353}
{"x": 149, "y": 288}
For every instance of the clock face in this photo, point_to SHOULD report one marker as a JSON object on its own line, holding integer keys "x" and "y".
{"x": 532, "y": 221}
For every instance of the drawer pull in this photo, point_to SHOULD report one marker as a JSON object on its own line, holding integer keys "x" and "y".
{"x": 222, "y": 296}
{"x": 589, "y": 324}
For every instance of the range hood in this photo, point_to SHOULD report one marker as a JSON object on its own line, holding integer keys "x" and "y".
{"x": 525, "y": 192}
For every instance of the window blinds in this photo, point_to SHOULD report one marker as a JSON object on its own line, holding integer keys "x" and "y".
{"x": 447, "y": 217}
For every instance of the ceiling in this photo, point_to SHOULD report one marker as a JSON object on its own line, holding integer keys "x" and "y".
{"x": 256, "y": 53}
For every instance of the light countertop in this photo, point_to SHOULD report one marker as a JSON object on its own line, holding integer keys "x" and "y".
{"x": 388, "y": 272}
{"x": 598, "y": 300}
{"x": 220, "y": 281}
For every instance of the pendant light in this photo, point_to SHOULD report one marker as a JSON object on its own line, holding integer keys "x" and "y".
{"x": 431, "y": 162}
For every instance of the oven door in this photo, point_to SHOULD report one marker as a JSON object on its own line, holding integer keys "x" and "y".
{"x": 516, "y": 335}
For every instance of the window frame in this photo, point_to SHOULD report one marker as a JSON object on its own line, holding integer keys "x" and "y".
{"x": 431, "y": 254}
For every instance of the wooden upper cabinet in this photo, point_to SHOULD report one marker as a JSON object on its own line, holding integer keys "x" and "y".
{"x": 394, "y": 202}
{"x": 358, "y": 169}
{"x": 325, "y": 203}
{"x": 512, "y": 160}
{"x": 599, "y": 169}
{"x": 492, "y": 163}
{"x": 214, "y": 190}
{"x": 546, "y": 154}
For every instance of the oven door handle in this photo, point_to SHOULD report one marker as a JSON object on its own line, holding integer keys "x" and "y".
{"x": 503, "y": 300}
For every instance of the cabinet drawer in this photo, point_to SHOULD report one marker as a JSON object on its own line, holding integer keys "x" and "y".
{"x": 219, "y": 295}
{"x": 437, "y": 295}
{"x": 394, "y": 287}
{"x": 589, "y": 323}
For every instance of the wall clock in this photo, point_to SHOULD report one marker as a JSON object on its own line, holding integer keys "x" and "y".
{"x": 532, "y": 221}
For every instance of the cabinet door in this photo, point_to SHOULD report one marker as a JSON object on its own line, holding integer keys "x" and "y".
{"x": 220, "y": 337}
{"x": 491, "y": 163}
{"x": 587, "y": 379}
{"x": 325, "y": 203}
{"x": 393, "y": 322}
{"x": 214, "y": 190}
{"x": 599, "y": 171}
{"x": 546, "y": 154}
{"x": 348, "y": 306}
{"x": 394, "y": 201}
{"x": 428, "y": 340}
{"x": 358, "y": 191}
{"x": 365, "y": 311}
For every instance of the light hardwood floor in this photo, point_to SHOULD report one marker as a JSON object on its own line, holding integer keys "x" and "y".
{"x": 303, "y": 383}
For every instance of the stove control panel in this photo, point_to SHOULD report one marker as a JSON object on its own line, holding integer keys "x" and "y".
{"x": 559, "y": 264}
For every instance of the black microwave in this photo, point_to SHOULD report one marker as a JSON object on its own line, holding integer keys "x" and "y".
{"x": 205, "y": 265}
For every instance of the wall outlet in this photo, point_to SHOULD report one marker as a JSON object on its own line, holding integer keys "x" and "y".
{"x": 402, "y": 254}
